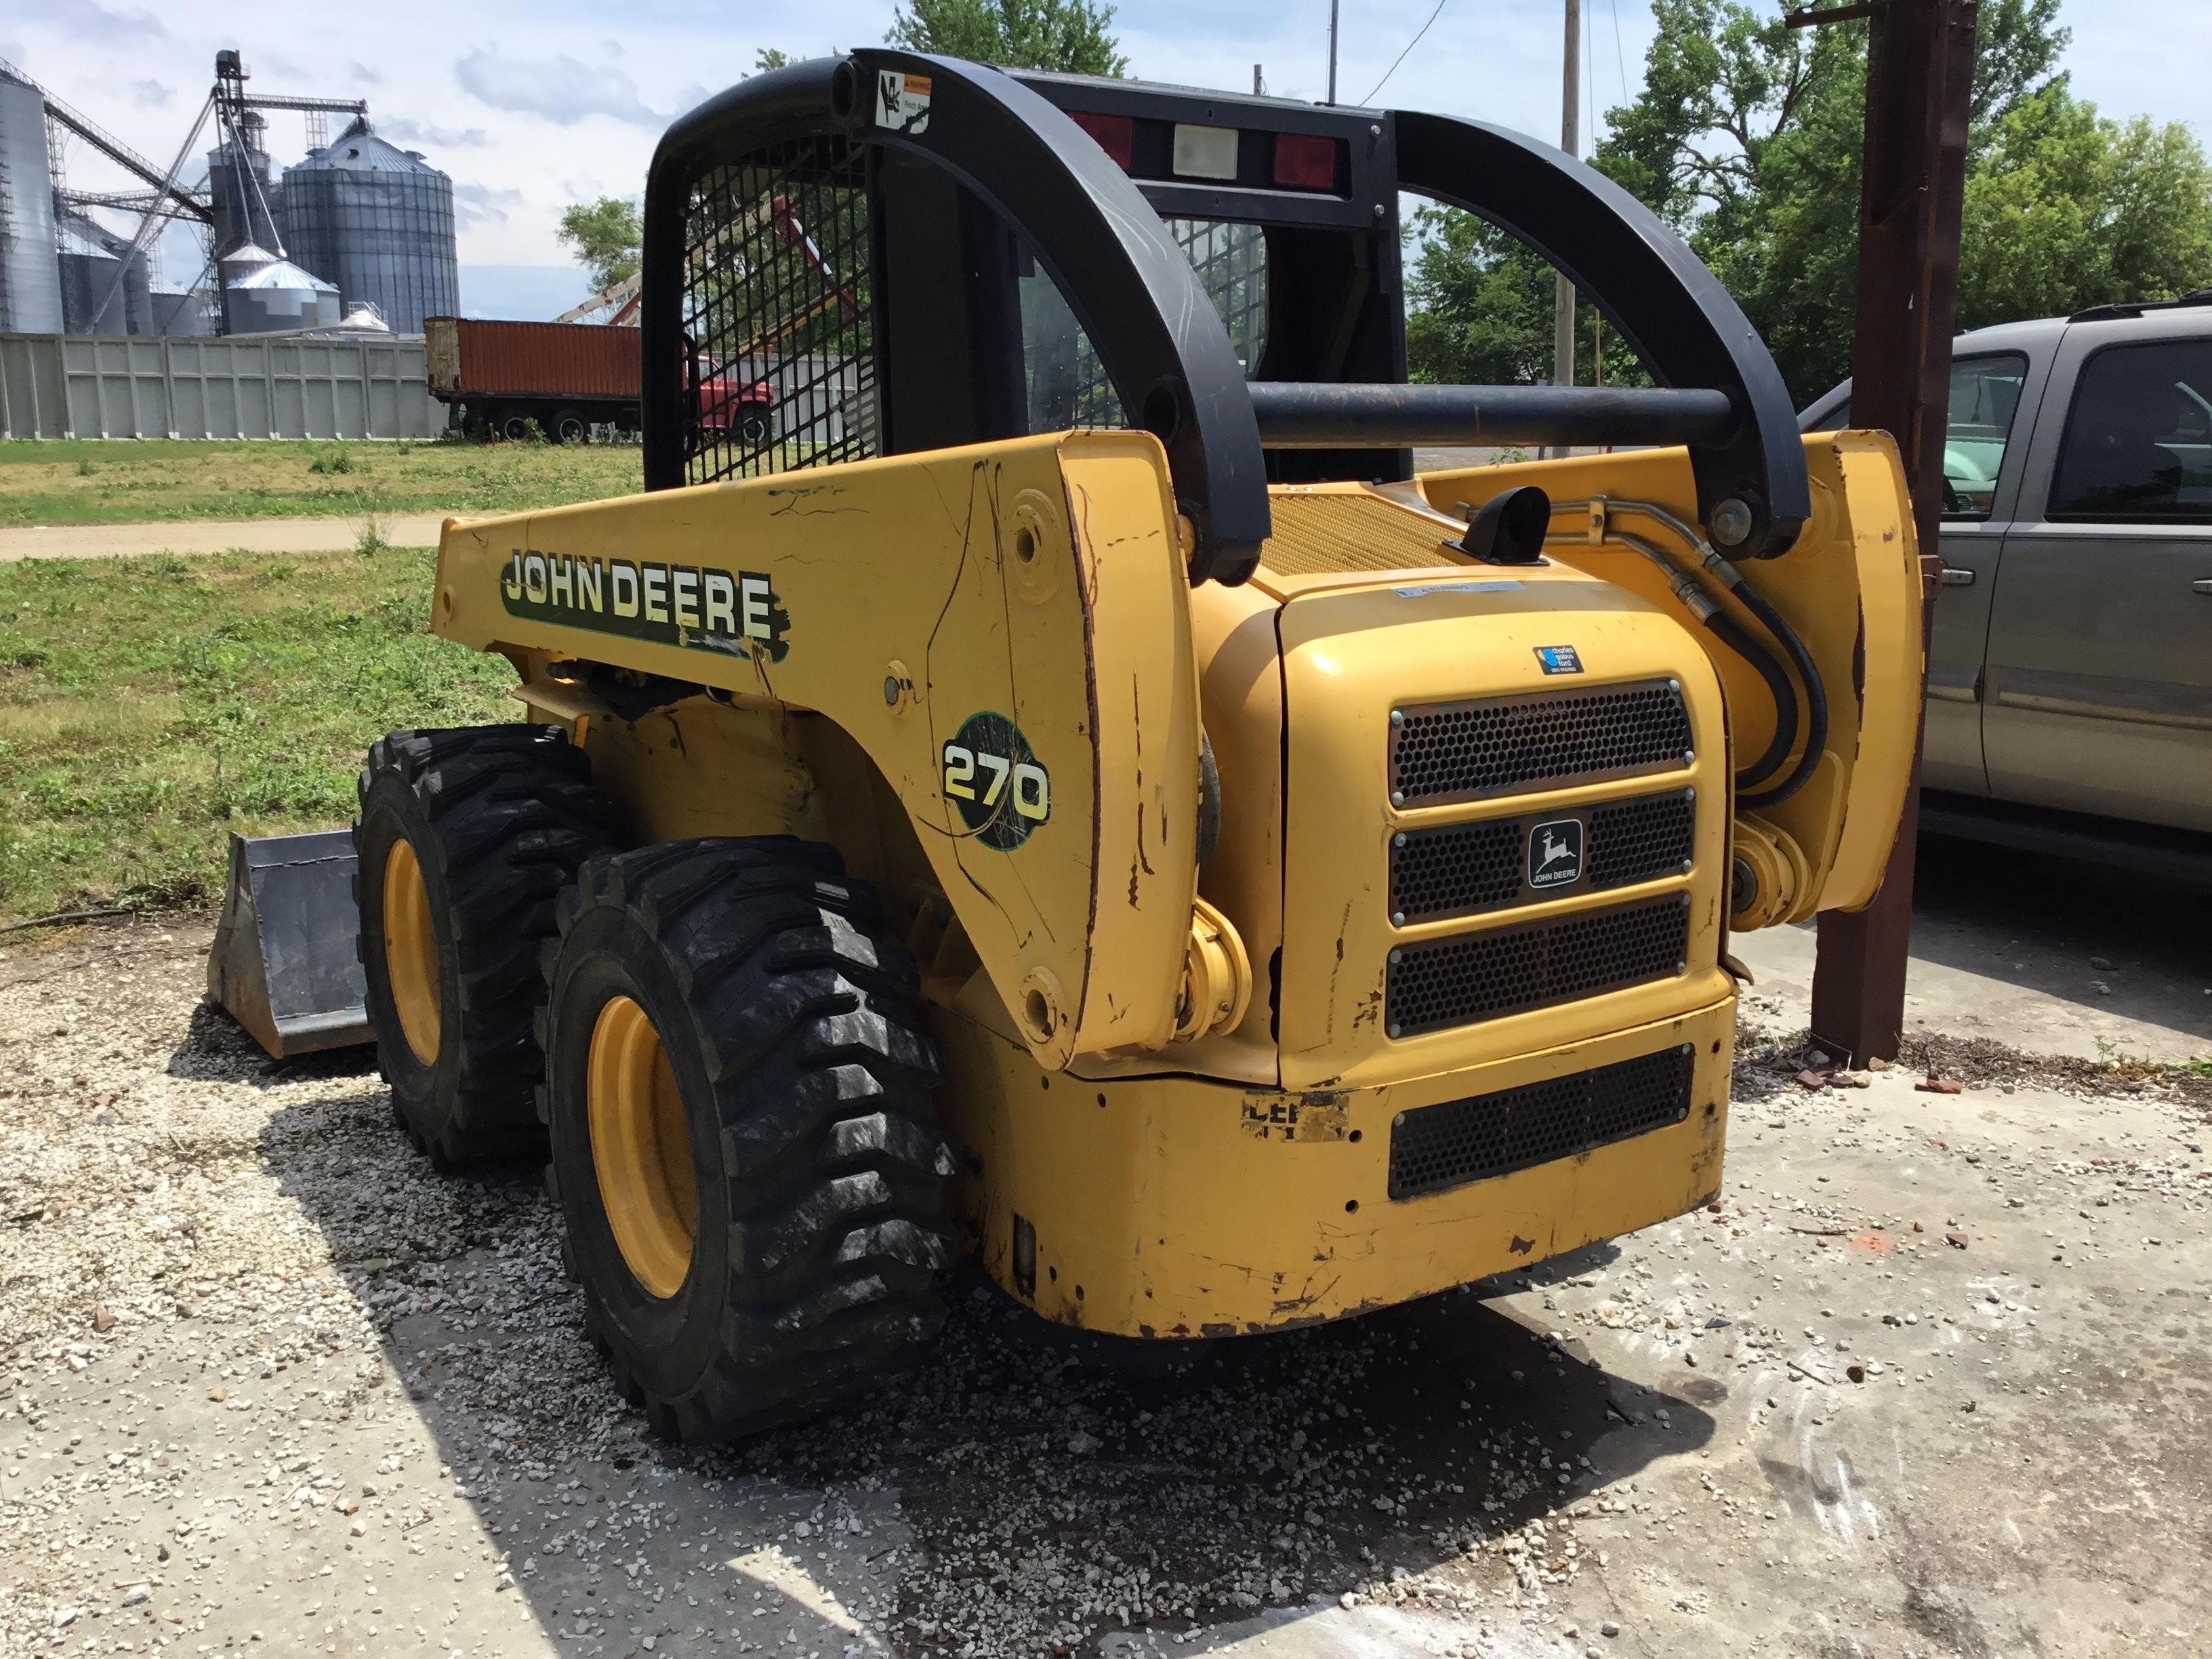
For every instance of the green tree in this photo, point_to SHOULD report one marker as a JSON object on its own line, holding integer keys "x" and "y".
{"x": 604, "y": 236}
{"x": 1070, "y": 35}
{"x": 1747, "y": 137}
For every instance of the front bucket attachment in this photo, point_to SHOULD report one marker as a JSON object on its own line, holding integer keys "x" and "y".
{"x": 286, "y": 961}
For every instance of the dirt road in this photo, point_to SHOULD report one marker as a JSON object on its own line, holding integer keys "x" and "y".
{"x": 87, "y": 541}
{"x": 1932, "y": 1380}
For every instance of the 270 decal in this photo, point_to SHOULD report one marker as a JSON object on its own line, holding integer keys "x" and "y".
{"x": 995, "y": 780}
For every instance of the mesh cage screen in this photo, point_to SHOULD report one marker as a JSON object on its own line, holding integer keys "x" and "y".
{"x": 780, "y": 373}
{"x": 1457, "y": 1141}
{"x": 1489, "y": 745}
{"x": 1508, "y": 970}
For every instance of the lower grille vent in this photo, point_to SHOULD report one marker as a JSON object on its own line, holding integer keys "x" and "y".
{"x": 1457, "y": 1141}
{"x": 1507, "y": 971}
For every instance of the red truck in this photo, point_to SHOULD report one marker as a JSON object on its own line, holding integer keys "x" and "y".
{"x": 570, "y": 377}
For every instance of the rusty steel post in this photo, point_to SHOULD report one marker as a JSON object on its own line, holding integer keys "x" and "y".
{"x": 1920, "y": 70}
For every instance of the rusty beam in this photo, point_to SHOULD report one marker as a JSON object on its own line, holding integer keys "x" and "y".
{"x": 1920, "y": 72}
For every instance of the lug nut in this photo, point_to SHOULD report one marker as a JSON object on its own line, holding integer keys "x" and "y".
{"x": 1397, "y": 717}
{"x": 1397, "y": 797}
{"x": 1397, "y": 918}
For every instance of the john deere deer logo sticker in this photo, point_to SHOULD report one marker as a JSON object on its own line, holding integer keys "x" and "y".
{"x": 1555, "y": 853}
{"x": 995, "y": 782}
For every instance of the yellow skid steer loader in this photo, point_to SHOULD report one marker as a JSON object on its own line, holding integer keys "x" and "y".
{"x": 1076, "y": 795}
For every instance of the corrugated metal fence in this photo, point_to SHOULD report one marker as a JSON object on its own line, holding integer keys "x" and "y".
{"x": 95, "y": 385}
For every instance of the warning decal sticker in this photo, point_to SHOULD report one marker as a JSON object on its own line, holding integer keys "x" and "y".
{"x": 902, "y": 101}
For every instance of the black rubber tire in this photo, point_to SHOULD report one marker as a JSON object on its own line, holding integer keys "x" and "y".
{"x": 755, "y": 429}
{"x": 796, "y": 1033}
{"x": 499, "y": 817}
{"x": 569, "y": 427}
{"x": 513, "y": 424}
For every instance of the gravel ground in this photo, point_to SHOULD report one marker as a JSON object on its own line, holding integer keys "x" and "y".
{"x": 1921, "y": 1385}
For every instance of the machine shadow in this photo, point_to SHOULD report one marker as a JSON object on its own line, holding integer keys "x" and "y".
{"x": 1025, "y": 1480}
{"x": 2089, "y": 927}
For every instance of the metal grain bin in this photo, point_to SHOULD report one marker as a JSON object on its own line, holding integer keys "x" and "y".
{"x": 30, "y": 274}
{"x": 378, "y": 221}
{"x": 263, "y": 294}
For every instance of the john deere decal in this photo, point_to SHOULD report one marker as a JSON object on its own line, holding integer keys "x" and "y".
{"x": 698, "y": 607}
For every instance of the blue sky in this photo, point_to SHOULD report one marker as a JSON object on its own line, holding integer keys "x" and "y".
{"x": 533, "y": 104}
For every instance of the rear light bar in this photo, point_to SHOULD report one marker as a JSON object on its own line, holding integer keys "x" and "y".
{"x": 1189, "y": 149}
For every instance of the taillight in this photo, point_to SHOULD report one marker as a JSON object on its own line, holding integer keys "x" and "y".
{"x": 1115, "y": 133}
{"x": 1305, "y": 160}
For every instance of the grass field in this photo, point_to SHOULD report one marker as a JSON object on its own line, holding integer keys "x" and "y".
{"x": 150, "y": 706}
{"x": 136, "y": 481}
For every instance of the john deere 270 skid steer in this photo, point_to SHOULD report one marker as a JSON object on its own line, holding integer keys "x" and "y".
{"x": 1077, "y": 796}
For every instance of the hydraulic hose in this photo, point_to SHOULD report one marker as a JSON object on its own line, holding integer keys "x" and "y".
{"x": 1701, "y": 606}
{"x": 1816, "y": 697}
{"x": 1778, "y": 686}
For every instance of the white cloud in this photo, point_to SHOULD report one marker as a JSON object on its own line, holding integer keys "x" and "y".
{"x": 480, "y": 204}
{"x": 151, "y": 95}
{"x": 405, "y": 131}
{"x": 86, "y": 19}
{"x": 563, "y": 90}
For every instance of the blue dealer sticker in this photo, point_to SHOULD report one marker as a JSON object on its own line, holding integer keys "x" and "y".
{"x": 1558, "y": 659}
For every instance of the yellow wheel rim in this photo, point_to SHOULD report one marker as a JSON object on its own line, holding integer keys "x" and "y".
{"x": 641, "y": 1147}
{"x": 411, "y": 951}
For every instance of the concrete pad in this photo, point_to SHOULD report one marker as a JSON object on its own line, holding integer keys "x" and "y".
{"x": 91, "y": 541}
{"x": 2039, "y": 953}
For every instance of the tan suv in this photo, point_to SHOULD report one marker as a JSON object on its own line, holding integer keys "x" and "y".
{"x": 2071, "y": 665}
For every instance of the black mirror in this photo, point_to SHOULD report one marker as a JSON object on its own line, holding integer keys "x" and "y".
{"x": 1508, "y": 528}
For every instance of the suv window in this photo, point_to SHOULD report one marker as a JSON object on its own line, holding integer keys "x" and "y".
{"x": 2138, "y": 444}
{"x": 1985, "y": 397}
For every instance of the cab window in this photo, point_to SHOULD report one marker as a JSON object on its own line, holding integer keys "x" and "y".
{"x": 2138, "y": 444}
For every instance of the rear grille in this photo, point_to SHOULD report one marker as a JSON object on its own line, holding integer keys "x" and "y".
{"x": 1457, "y": 1141}
{"x": 1486, "y": 746}
{"x": 1462, "y": 868}
{"x": 1641, "y": 840}
{"x": 1450, "y": 871}
{"x": 1507, "y": 971}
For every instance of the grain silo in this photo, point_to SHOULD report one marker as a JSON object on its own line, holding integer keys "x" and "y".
{"x": 378, "y": 221}
{"x": 242, "y": 188}
{"x": 265, "y": 295}
{"x": 30, "y": 272}
{"x": 94, "y": 301}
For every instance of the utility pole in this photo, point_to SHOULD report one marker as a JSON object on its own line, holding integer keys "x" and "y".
{"x": 1920, "y": 77}
{"x": 1332, "y": 50}
{"x": 1570, "y": 99}
{"x": 1259, "y": 81}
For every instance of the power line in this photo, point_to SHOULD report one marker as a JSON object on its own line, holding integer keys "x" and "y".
{"x": 1400, "y": 57}
{"x": 1619, "y": 57}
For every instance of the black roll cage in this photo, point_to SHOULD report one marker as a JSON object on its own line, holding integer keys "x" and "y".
{"x": 1010, "y": 143}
